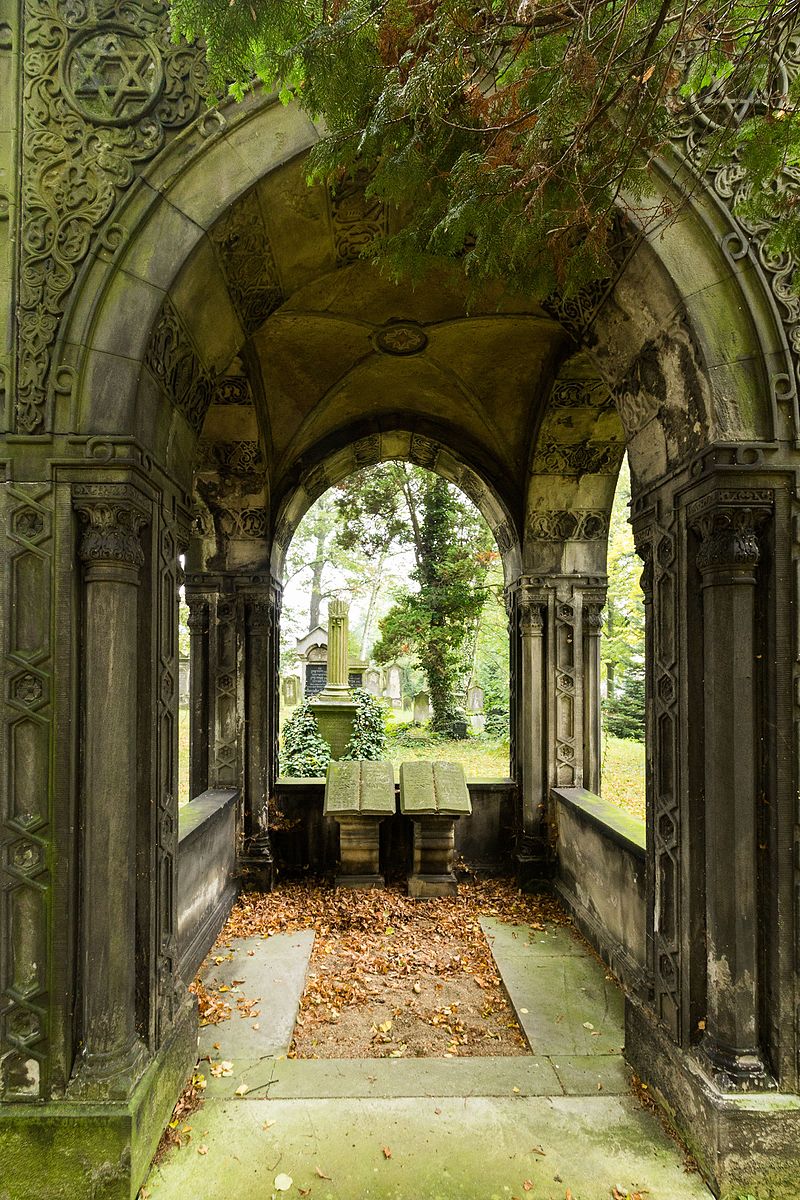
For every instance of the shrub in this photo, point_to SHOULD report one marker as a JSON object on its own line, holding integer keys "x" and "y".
{"x": 368, "y": 739}
{"x": 624, "y": 715}
{"x": 305, "y": 752}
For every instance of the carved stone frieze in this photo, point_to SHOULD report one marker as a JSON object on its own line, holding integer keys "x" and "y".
{"x": 248, "y": 264}
{"x": 584, "y": 458}
{"x": 580, "y": 393}
{"x": 243, "y": 459}
{"x": 175, "y": 364}
{"x": 367, "y": 450}
{"x": 357, "y": 220}
{"x": 104, "y": 87}
{"x": 576, "y": 525}
{"x": 424, "y": 451}
{"x": 113, "y": 518}
{"x": 232, "y": 389}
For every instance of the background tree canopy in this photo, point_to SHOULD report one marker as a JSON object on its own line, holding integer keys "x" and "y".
{"x": 423, "y": 574}
{"x": 510, "y": 132}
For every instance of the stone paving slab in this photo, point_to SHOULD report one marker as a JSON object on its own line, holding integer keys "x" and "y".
{"x": 508, "y": 939}
{"x": 445, "y": 1148}
{"x": 563, "y": 1000}
{"x": 275, "y": 975}
{"x": 398, "y": 1077}
{"x": 587, "y": 1074}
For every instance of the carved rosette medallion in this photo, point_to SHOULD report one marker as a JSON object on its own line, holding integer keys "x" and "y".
{"x": 400, "y": 339}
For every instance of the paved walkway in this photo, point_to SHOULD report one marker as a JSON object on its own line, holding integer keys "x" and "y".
{"x": 559, "y": 1121}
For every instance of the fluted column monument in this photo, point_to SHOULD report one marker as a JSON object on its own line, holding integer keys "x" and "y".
{"x": 334, "y": 707}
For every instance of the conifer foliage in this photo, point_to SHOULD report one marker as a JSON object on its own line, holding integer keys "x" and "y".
{"x": 509, "y": 132}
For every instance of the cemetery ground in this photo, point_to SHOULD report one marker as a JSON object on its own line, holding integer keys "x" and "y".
{"x": 485, "y": 758}
{"x": 363, "y": 1044}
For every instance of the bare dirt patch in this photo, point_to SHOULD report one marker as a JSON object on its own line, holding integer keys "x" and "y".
{"x": 395, "y": 977}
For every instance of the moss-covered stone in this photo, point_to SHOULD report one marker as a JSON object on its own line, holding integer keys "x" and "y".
{"x": 83, "y": 1151}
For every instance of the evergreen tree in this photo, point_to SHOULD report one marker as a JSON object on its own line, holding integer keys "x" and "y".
{"x": 509, "y": 132}
{"x": 435, "y": 621}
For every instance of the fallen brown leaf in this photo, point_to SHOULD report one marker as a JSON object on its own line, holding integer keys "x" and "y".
{"x": 202, "y": 1149}
{"x": 387, "y": 1152}
{"x": 527, "y": 1185}
{"x": 319, "y": 1171}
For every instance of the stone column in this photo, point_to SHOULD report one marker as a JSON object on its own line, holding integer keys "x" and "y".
{"x": 198, "y": 606}
{"x": 111, "y": 1054}
{"x": 593, "y": 602}
{"x": 531, "y": 728}
{"x": 727, "y": 559}
{"x": 338, "y": 652}
{"x": 256, "y": 861}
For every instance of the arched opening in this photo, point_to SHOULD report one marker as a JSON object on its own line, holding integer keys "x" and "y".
{"x": 268, "y": 362}
{"x": 422, "y": 575}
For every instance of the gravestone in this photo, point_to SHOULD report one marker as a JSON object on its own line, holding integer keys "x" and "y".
{"x": 422, "y": 707}
{"x": 394, "y": 685}
{"x": 475, "y": 699}
{"x": 290, "y": 690}
{"x": 316, "y": 678}
{"x": 372, "y": 682}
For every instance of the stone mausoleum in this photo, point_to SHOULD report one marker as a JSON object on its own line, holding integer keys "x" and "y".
{"x": 192, "y": 351}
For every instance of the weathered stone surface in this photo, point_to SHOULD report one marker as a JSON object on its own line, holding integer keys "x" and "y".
{"x": 433, "y": 788}
{"x": 359, "y": 788}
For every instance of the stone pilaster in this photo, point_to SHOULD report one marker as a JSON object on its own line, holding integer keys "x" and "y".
{"x": 256, "y": 860}
{"x": 531, "y": 728}
{"x": 593, "y": 602}
{"x": 111, "y": 1054}
{"x": 728, "y": 559}
{"x": 198, "y": 605}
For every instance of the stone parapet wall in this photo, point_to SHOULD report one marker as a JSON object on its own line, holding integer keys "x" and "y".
{"x": 601, "y": 878}
{"x": 206, "y": 873}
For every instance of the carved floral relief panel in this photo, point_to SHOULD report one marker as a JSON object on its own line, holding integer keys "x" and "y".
{"x": 104, "y": 87}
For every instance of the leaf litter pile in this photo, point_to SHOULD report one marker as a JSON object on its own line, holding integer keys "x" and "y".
{"x": 389, "y": 977}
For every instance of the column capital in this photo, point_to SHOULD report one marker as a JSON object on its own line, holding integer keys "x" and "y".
{"x": 728, "y": 531}
{"x": 113, "y": 516}
{"x": 198, "y": 605}
{"x": 259, "y": 612}
{"x": 594, "y": 601}
{"x": 532, "y": 605}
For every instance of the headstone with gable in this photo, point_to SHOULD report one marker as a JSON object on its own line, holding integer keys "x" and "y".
{"x": 434, "y": 795}
{"x": 290, "y": 690}
{"x": 372, "y": 681}
{"x": 475, "y": 699}
{"x": 358, "y": 795}
{"x": 422, "y": 707}
{"x": 394, "y": 685}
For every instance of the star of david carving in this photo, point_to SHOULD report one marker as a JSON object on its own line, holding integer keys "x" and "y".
{"x": 114, "y": 76}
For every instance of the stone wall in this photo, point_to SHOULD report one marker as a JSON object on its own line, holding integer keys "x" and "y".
{"x": 304, "y": 840}
{"x": 601, "y": 878}
{"x": 206, "y": 874}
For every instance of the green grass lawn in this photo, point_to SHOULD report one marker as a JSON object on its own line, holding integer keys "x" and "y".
{"x": 622, "y": 769}
{"x": 622, "y": 774}
{"x": 480, "y": 759}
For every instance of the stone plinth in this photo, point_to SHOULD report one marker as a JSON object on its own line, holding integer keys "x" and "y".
{"x": 335, "y": 723}
{"x": 358, "y": 795}
{"x": 434, "y": 795}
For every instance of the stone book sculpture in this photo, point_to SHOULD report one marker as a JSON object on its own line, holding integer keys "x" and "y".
{"x": 359, "y": 788}
{"x": 434, "y": 789}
